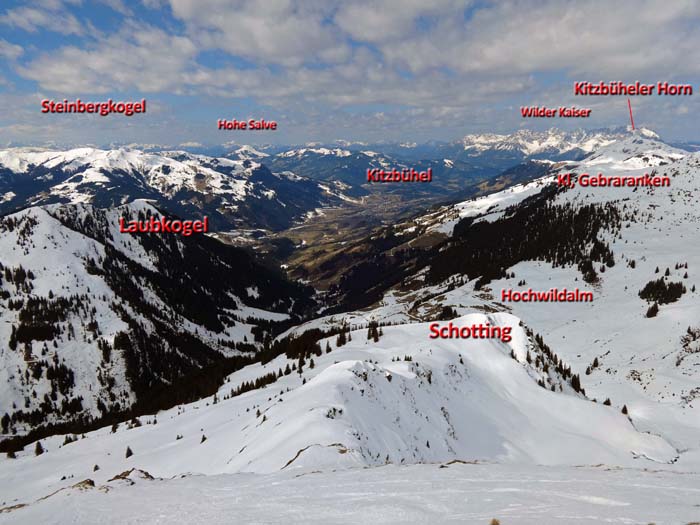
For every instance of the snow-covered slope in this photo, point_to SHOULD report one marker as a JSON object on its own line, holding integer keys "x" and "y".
{"x": 406, "y": 398}
{"x": 92, "y": 319}
{"x": 403, "y": 399}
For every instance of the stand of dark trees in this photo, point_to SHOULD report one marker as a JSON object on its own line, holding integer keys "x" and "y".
{"x": 661, "y": 292}
{"x": 536, "y": 229}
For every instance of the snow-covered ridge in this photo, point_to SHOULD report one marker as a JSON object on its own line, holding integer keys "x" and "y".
{"x": 182, "y": 182}
{"x": 336, "y": 152}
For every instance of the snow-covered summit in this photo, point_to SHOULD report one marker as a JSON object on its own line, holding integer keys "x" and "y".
{"x": 637, "y": 151}
{"x": 247, "y": 153}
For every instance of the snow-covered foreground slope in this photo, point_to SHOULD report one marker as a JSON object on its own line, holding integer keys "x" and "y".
{"x": 471, "y": 494}
{"x": 362, "y": 404}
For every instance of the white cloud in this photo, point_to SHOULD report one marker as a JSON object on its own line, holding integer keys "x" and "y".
{"x": 117, "y": 5}
{"x": 605, "y": 38}
{"x": 391, "y": 20}
{"x": 9, "y": 50}
{"x": 139, "y": 56}
{"x": 154, "y": 4}
{"x": 33, "y": 19}
{"x": 275, "y": 31}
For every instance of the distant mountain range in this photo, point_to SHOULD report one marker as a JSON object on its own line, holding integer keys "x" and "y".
{"x": 233, "y": 193}
{"x": 271, "y": 187}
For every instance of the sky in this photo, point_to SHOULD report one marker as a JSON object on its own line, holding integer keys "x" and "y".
{"x": 358, "y": 70}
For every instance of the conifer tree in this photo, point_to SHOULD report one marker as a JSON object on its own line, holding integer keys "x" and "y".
{"x": 653, "y": 310}
{"x": 129, "y": 453}
{"x": 576, "y": 383}
{"x": 38, "y": 449}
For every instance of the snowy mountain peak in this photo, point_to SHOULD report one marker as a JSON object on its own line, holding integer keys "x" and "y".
{"x": 646, "y": 132}
{"x": 247, "y": 152}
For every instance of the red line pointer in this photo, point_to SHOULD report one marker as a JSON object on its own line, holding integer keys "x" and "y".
{"x": 629, "y": 105}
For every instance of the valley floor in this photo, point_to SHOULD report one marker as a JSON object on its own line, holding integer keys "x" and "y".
{"x": 428, "y": 493}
